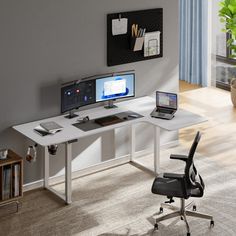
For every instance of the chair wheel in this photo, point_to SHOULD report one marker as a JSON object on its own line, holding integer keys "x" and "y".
{"x": 188, "y": 234}
{"x": 181, "y": 217}
{"x": 194, "y": 208}
{"x": 212, "y": 223}
{"x": 156, "y": 226}
{"x": 161, "y": 209}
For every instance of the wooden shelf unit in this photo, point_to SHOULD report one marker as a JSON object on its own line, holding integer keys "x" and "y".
{"x": 11, "y": 179}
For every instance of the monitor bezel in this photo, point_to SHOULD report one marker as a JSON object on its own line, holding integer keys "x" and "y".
{"x": 170, "y": 94}
{"x": 114, "y": 99}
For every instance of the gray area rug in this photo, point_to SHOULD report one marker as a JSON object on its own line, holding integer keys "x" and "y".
{"x": 119, "y": 202}
{"x": 219, "y": 200}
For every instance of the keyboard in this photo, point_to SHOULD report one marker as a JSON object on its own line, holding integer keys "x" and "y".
{"x": 108, "y": 120}
{"x": 166, "y": 111}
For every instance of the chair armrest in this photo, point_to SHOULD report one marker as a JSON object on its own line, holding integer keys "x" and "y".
{"x": 173, "y": 176}
{"x": 179, "y": 157}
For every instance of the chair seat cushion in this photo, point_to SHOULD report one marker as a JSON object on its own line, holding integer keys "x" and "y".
{"x": 168, "y": 187}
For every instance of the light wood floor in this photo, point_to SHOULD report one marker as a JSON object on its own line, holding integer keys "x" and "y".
{"x": 119, "y": 200}
{"x": 184, "y": 86}
{"x": 219, "y": 139}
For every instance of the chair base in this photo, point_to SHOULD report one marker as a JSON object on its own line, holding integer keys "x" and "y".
{"x": 182, "y": 212}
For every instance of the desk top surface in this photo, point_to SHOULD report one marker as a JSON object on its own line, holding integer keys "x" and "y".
{"x": 142, "y": 105}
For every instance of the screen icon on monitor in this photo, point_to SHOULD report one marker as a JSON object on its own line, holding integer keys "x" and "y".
{"x": 115, "y": 87}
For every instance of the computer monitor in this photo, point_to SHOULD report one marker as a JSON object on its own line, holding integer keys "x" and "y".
{"x": 75, "y": 95}
{"x": 85, "y": 92}
{"x": 166, "y": 100}
{"x": 115, "y": 87}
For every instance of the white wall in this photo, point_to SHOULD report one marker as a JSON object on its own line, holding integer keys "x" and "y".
{"x": 47, "y": 41}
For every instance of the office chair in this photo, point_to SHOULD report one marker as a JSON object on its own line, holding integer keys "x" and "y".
{"x": 183, "y": 186}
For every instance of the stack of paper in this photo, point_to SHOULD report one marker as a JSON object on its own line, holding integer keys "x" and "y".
{"x": 152, "y": 43}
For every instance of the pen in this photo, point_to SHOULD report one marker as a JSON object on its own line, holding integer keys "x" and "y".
{"x": 143, "y": 32}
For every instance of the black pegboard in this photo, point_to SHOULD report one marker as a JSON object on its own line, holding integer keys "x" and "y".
{"x": 118, "y": 47}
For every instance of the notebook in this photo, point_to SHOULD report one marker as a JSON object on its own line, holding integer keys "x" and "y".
{"x": 51, "y": 126}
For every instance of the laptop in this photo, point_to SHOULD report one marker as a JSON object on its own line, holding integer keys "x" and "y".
{"x": 166, "y": 105}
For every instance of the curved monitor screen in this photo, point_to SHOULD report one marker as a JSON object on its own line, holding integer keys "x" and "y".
{"x": 113, "y": 87}
{"x": 77, "y": 95}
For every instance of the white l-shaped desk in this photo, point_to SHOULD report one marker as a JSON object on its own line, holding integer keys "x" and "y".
{"x": 70, "y": 134}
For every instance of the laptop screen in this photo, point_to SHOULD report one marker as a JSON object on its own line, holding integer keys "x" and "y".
{"x": 167, "y": 100}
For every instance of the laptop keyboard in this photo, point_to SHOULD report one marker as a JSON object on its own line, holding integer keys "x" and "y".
{"x": 166, "y": 111}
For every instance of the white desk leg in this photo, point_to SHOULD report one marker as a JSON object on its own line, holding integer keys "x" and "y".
{"x": 68, "y": 155}
{"x": 157, "y": 139}
{"x": 132, "y": 142}
{"x": 46, "y": 167}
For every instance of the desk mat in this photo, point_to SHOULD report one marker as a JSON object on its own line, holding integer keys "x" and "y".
{"x": 91, "y": 125}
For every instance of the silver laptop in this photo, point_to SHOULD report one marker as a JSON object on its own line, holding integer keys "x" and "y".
{"x": 166, "y": 105}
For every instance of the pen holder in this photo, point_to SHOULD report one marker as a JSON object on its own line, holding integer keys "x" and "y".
{"x": 136, "y": 43}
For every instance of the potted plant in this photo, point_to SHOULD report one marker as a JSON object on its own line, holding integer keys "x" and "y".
{"x": 227, "y": 15}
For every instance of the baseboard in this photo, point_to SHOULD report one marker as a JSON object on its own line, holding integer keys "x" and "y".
{"x": 95, "y": 168}
{"x": 33, "y": 185}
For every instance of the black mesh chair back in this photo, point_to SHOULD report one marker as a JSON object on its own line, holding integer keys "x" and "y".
{"x": 193, "y": 179}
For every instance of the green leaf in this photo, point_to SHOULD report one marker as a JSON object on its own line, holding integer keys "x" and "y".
{"x": 227, "y": 15}
{"x": 232, "y": 9}
{"x": 229, "y": 42}
{"x": 232, "y": 2}
{"x": 222, "y": 4}
{"x": 233, "y": 47}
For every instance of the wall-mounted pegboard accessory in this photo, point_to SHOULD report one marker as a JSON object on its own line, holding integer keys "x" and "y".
{"x": 143, "y": 40}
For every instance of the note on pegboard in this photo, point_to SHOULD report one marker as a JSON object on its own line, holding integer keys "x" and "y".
{"x": 119, "y": 26}
{"x": 119, "y": 49}
{"x": 152, "y": 43}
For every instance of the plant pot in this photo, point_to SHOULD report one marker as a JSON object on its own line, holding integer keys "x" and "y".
{"x": 233, "y": 95}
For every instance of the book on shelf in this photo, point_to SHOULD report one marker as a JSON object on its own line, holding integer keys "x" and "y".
{"x": 1, "y": 180}
{"x": 16, "y": 180}
{"x": 6, "y": 183}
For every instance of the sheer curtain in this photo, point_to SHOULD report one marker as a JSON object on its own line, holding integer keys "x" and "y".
{"x": 193, "y": 41}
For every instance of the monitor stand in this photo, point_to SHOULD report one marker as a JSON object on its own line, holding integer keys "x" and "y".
{"x": 110, "y": 105}
{"x": 71, "y": 115}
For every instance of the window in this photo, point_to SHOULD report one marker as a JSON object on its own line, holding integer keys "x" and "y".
{"x": 225, "y": 66}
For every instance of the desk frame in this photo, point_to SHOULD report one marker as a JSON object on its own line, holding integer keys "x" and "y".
{"x": 68, "y": 163}
{"x": 142, "y": 105}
